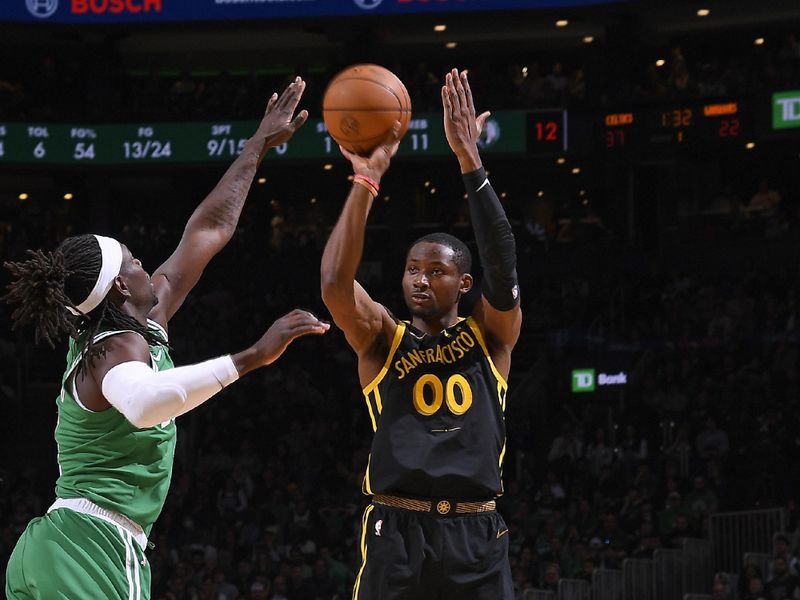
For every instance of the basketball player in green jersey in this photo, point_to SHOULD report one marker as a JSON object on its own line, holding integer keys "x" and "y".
{"x": 120, "y": 394}
{"x": 435, "y": 387}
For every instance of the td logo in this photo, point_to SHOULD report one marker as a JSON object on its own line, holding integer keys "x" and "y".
{"x": 583, "y": 380}
{"x": 786, "y": 110}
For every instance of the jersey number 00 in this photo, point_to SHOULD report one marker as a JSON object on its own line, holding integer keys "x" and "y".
{"x": 442, "y": 393}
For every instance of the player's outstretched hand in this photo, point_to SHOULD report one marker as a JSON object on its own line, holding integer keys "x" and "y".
{"x": 376, "y": 164}
{"x": 461, "y": 126}
{"x": 284, "y": 331}
{"x": 278, "y": 124}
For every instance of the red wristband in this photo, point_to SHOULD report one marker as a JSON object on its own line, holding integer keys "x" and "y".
{"x": 372, "y": 191}
{"x": 370, "y": 181}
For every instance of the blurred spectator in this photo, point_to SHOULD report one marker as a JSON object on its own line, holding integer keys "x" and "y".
{"x": 765, "y": 200}
{"x": 259, "y": 591}
{"x": 701, "y": 501}
{"x": 712, "y": 442}
{"x": 598, "y": 453}
{"x": 783, "y": 585}
{"x": 755, "y": 590}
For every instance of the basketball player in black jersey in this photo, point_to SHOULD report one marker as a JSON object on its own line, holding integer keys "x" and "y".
{"x": 435, "y": 387}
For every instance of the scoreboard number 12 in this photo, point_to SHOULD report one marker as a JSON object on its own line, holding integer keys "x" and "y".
{"x": 547, "y": 131}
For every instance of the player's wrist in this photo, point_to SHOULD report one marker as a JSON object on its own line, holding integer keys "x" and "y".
{"x": 469, "y": 160}
{"x": 373, "y": 176}
{"x": 246, "y": 360}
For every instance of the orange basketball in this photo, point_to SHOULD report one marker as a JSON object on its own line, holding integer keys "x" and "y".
{"x": 361, "y": 105}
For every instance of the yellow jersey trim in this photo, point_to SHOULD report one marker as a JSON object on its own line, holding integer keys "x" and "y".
{"x": 364, "y": 525}
{"x": 476, "y": 330}
{"x": 367, "y": 487}
{"x": 398, "y": 335}
{"x": 371, "y": 413}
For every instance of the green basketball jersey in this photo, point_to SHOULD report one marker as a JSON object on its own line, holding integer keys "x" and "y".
{"x": 104, "y": 458}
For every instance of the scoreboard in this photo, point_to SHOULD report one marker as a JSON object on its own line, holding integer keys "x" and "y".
{"x": 676, "y": 126}
{"x": 668, "y": 129}
{"x": 221, "y": 141}
{"x": 506, "y": 132}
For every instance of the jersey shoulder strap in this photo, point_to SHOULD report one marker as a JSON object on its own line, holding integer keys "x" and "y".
{"x": 482, "y": 342}
{"x": 158, "y": 329}
{"x": 398, "y": 337}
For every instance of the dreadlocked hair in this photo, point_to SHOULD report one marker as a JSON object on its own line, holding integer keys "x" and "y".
{"x": 48, "y": 282}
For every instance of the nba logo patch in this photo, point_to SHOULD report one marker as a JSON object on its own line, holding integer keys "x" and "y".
{"x": 378, "y": 526}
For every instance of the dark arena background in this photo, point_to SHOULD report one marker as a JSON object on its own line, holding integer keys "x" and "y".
{"x": 648, "y": 157}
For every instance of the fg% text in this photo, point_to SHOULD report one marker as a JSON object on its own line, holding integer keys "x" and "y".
{"x": 47, "y": 143}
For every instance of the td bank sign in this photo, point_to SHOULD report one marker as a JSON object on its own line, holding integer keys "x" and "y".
{"x": 786, "y": 110}
{"x": 588, "y": 380}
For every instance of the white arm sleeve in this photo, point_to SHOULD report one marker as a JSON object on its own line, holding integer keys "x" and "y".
{"x": 147, "y": 398}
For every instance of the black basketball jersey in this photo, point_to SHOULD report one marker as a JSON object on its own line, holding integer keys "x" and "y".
{"x": 437, "y": 409}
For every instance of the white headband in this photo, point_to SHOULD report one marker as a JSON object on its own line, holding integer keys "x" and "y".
{"x": 111, "y": 262}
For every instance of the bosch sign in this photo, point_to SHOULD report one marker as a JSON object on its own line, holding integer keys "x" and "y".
{"x": 115, "y": 7}
{"x": 140, "y": 11}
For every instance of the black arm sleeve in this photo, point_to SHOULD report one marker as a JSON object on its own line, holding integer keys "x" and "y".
{"x": 496, "y": 247}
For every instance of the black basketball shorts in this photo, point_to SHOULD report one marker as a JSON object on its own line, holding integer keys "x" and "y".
{"x": 409, "y": 555}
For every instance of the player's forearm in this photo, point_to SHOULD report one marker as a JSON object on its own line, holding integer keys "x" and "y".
{"x": 344, "y": 249}
{"x": 469, "y": 160}
{"x": 221, "y": 209}
{"x": 495, "y": 241}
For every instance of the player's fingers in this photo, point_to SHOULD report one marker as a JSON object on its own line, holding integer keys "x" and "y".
{"x": 468, "y": 92}
{"x": 299, "y": 120}
{"x": 307, "y": 320}
{"x": 290, "y": 94}
{"x": 454, "y": 83}
{"x": 309, "y": 330}
{"x": 481, "y": 120}
{"x": 271, "y": 103}
{"x": 294, "y": 100}
{"x": 301, "y": 315}
{"x": 446, "y": 105}
{"x": 455, "y": 109}
{"x": 460, "y": 92}
{"x": 347, "y": 154}
{"x": 389, "y": 143}
{"x": 393, "y": 140}
{"x": 453, "y": 96}
{"x": 394, "y": 135}
{"x": 308, "y": 317}
{"x": 296, "y": 328}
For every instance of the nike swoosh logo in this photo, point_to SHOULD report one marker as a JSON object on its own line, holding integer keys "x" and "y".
{"x": 501, "y": 533}
{"x": 157, "y": 355}
{"x": 417, "y": 337}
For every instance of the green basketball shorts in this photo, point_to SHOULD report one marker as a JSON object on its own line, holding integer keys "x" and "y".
{"x": 67, "y": 555}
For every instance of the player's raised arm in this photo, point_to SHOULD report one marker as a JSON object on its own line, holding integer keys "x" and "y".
{"x": 214, "y": 221}
{"x": 361, "y": 318}
{"x": 147, "y": 397}
{"x": 499, "y": 310}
